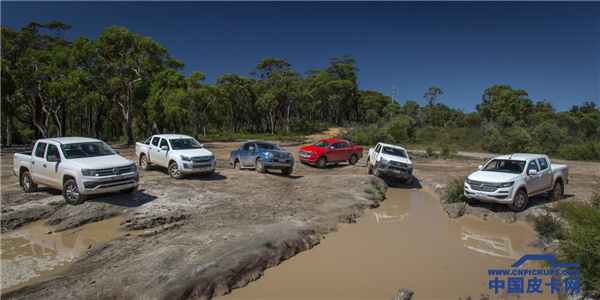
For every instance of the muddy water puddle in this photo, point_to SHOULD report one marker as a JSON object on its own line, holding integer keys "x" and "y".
{"x": 30, "y": 253}
{"x": 408, "y": 242}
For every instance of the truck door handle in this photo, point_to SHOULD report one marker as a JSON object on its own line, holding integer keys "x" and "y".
{"x": 33, "y": 162}
{"x": 44, "y": 165}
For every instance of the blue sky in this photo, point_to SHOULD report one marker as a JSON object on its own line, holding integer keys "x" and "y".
{"x": 549, "y": 49}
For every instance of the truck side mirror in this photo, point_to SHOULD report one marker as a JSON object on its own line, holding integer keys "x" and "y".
{"x": 331, "y": 148}
{"x": 201, "y": 145}
{"x": 532, "y": 172}
{"x": 409, "y": 157}
{"x": 117, "y": 152}
{"x": 251, "y": 149}
{"x": 479, "y": 167}
{"x": 164, "y": 148}
{"x": 52, "y": 158}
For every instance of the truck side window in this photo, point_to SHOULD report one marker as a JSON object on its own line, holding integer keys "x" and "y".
{"x": 378, "y": 148}
{"x": 164, "y": 142}
{"x": 532, "y": 166}
{"x": 155, "y": 141}
{"x": 52, "y": 150}
{"x": 543, "y": 164}
{"x": 40, "y": 150}
{"x": 247, "y": 146}
{"x": 342, "y": 145}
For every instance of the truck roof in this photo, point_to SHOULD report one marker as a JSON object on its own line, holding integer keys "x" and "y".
{"x": 519, "y": 156}
{"x": 334, "y": 140}
{"x": 390, "y": 145}
{"x": 70, "y": 140}
{"x": 173, "y": 136}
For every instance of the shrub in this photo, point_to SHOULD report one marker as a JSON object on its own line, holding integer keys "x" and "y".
{"x": 493, "y": 140}
{"x": 548, "y": 228}
{"x": 588, "y": 151}
{"x": 581, "y": 240}
{"x": 517, "y": 140}
{"x": 430, "y": 152}
{"x": 454, "y": 191}
{"x": 548, "y": 137}
{"x": 402, "y": 129}
{"x": 445, "y": 149}
{"x": 269, "y": 245}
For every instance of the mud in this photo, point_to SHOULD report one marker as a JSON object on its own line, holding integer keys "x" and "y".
{"x": 407, "y": 242}
{"x": 224, "y": 220}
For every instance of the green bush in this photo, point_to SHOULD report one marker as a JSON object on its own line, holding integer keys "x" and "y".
{"x": 581, "y": 240}
{"x": 454, "y": 191}
{"x": 548, "y": 228}
{"x": 589, "y": 151}
{"x": 401, "y": 129}
{"x": 430, "y": 152}
{"x": 548, "y": 137}
{"x": 493, "y": 140}
{"x": 445, "y": 149}
{"x": 517, "y": 140}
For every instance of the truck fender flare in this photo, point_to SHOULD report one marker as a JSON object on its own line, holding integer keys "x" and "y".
{"x": 69, "y": 174}
{"x": 522, "y": 187}
{"x": 23, "y": 168}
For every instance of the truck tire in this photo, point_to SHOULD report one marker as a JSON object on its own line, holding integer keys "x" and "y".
{"x": 557, "y": 192}
{"x": 287, "y": 171}
{"x": 368, "y": 160}
{"x": 376, "y": 171}
{"x": 27, "y": 184}
{"x": 144, "y": 163}
{"x": 353, "y": 159}
{"x": 408, "y": 180}
{"x": 520, "y": 202}
{"x": 174, "y": 171}
{"x": 209, "y": 173}
{"x": 237, "y": 165}
{"x": 71, "y": 193}
{"x": 129, "y": 190}
{"x": 321, "y": 162}
{"x": 260, "y": 166}
{"x": 369, "y": 168}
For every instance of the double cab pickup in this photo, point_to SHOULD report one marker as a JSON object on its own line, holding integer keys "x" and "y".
{"x": 390, "y": 160}
{"x": 180, "y": 154}
{"x": 330, "y": 151}
{"x": 78, "y": 166}
{"x": 262, "y": 156}
{"x": 512, "y": 179}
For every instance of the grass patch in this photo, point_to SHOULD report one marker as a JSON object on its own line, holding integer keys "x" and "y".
{"x": 548, "y": 228}
{"x": 580, "y": 241}
{"x": 454, "y": 191}
{"x": 336, "y": 196}
{"x": 269, "y": 245}
{"x": 380, "y": 190}
{"x": 369, "y": 191}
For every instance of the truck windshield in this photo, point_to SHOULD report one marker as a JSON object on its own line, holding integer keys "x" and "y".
{"x": 506, "y": 166}
{"x": 322, "y": 144}
{"x": 88, "y": 149}
{"x": 394, "y": 151}
{"x": 267, "y": 146}
{"x": 185, "y": 144}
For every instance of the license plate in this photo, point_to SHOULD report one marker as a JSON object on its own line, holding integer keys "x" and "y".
{"x": 304, "y": 156}
{"x": 117, "y": 177}
{"x": 276, "y": 160}
{"x": 480, "y": 195}
{"x": 396, "y": 171}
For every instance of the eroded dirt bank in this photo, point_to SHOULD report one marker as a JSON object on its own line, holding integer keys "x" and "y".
{"x": 223, "y": 223}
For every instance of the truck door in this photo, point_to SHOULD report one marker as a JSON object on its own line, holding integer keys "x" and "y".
{"x": 246, "y": 154}
{"x": 373, "y": 158}
{"x": 153, "y": 148}
{"x": 51, "y": 174}
{"x": 535, "y": 181}
{"x": 343, "y": 151}
{"x": 37, "y": 163}
{"x": 545, "y": 174}
{"x": 162, "y": 156}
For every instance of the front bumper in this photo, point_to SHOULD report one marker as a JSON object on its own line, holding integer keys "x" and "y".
{"x": 197, "y": 167}
{"x": 394, "y": 170}
{"x": 500, "y": 195}
{"x": 278, "y": 163}
{"x": 97, "y": 185}
{"x": 309, "y": 159}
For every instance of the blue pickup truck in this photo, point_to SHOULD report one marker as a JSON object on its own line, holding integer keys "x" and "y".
{"x": 262, "y": 156}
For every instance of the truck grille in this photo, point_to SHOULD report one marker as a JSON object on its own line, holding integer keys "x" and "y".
{"x": 396, "y": 163}
{"x": 484, "y": 187}
{"x": 200, "y": 158}
{"x": 304, "y": 152}
{"x": 280, "y": 155}
{"x": 111, "y": 171}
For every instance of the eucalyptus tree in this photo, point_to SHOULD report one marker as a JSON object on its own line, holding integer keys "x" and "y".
{"x": 431, "y": 96}
{"x": 239, "y": 96}
{"x": 345, "y": 84}
{"x": 129, "y": 59}
{"x": 502, "y": 98}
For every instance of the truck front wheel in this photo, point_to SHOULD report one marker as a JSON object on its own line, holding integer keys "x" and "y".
{"x": 129, "y": 190}
{"x": 321, "y": 162}
{"x": 287, "y": 171}
{"x": 557, "y": 192}
{"x": 369, "y": 168}
{"x": 144, "y": 163}
{"x": 71, "y": 193}
{"x": 260, "y": 166}
{"x": 174, "y": 171}
{"x": 27, "y": 184}
{"x": 376, "y": 171}
{"x": 520, "y": 201}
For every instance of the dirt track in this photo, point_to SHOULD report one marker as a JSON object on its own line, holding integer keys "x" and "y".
{"x": 223, "y": 222}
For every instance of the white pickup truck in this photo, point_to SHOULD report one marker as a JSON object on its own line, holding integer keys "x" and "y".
{"x": 513, "y": 178}
{"x": 390, "y": 160}
{"x": 180, "y": 154}
{"x": 78, "y": 166}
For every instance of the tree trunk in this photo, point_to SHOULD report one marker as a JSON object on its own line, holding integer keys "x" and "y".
{"x": 8, "y": 133}
{"x": 288, "y": 118}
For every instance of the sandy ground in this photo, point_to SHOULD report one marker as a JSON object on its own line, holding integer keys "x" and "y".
{"x": 223, "y": 221}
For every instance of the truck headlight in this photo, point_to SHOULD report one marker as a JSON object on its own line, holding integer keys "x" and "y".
{"x": 314, "y": 153}
{"x": 133, "y": 167}
{"x": 506, "y": 184}
{"x": 185, "y": 158}
{"x": 211, "y": 158}
{"x": 88, "y": 172}
{"x": 469, "y": 181}
{"x": 270, "y": 155}
{"x": 409, "y": 166}
{"x": 385, "y": 160}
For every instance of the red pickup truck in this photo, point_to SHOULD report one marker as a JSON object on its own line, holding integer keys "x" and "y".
{"x": 330, "y": 151}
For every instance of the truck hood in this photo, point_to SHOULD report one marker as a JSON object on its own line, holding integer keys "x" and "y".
{"x": 101, "y": 162}
{"x": 193, "y": 152}
{"x": 275, "y": 151}
{"x": 313, "y": 149}
{"x": 493, "y": 177}
{"x": 396, "y": 158}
